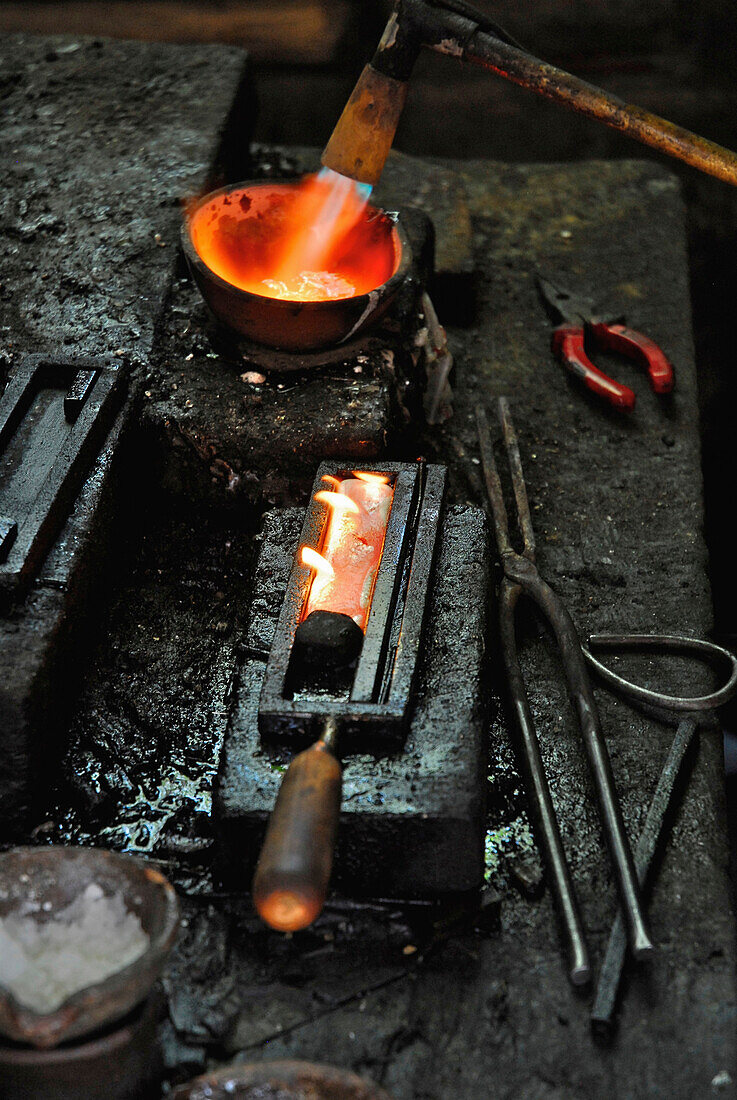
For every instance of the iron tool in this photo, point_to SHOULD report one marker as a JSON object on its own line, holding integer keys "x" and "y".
{"x": 521, "y": 576}
{"x": 694, "y": 711}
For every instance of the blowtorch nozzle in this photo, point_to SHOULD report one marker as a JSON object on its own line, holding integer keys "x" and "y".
{"x": 363, "y": 136}
{"x": 360, "y": 143}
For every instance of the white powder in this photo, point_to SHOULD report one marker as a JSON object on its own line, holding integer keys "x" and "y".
{"x": 44, "y": 962}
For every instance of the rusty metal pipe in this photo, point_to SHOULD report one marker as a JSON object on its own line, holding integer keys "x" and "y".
{"x": 554, "y": 83}
{"x": 359, "y": 147}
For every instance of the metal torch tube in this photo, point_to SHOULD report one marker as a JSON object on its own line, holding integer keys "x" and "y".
{"x": 547, "y": 80}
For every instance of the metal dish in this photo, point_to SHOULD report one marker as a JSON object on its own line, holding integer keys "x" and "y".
{"x": 123, "y": 1063}
{"x": 278, "y": 322}
{"x": 45, "y": 880}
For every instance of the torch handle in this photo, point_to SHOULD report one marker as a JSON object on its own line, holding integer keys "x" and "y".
{"x": 291, "y": 880}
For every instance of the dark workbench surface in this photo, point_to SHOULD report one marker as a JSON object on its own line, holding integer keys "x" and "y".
{"x": 99, "y": 142}
{"x": 617, "y": 513}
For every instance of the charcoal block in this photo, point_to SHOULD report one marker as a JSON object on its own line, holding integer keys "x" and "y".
{"x": 412, "y": 822}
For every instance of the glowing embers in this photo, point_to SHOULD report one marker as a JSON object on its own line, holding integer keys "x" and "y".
{"x": 316, "y": 240}
{"x": 345, "y": 567}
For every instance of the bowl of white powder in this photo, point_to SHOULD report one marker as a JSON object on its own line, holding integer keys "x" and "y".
{"x": 84, "y": 934}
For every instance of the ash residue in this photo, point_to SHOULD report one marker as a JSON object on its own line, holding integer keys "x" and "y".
{"x": 45, "y": 961}
{"x": 235, "y": 987}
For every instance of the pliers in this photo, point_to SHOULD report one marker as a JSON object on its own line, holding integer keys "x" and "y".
{"x": 575, "y": 321}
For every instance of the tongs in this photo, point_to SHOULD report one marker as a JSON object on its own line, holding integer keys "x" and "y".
{"x": 688, "y": 712}
{"x": 521, "y": 576}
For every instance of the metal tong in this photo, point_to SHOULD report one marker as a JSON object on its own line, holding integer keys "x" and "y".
{"x": 521, "y": 576}
{"x": 688, "y": 713}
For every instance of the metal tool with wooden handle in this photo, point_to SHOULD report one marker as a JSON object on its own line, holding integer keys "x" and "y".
{"x": 360, "y": 143}
{"x": 293, "y": 873}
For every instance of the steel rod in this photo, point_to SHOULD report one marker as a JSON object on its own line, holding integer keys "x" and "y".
{"x": 494, "y": 489}
{"x": 582, "y": 697}
{"x": 547, "y": 829}
{"x": 546, "y": 80}
{"x": 611, "y": 972}
{"x": 524, "y": 519}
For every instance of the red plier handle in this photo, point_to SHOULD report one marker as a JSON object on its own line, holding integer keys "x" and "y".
{"x": 568, "y": 345}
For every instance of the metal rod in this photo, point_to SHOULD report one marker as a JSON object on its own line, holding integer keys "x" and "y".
{"x": 538, "y": 76}
{"x": 521, "y": 571}
{"x": 493, "y": 487}
{"x": 330, "y": 733}
{"x": 561, "y": 883}
{"x": 582, "y": 696}
{"x": 524, "y": 519}
{"x": 602, "y": 1013}
{"x": 554, "y": 83}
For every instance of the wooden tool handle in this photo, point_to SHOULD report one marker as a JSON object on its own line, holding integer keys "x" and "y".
{"x": 293, "y": 872}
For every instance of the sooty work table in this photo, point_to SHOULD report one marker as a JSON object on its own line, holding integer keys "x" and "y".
{"x": 149, "y": 579}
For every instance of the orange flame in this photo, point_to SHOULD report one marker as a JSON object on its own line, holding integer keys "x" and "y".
{"x": 311, "y": 241}
{"x": 322, "y": 567}
{"x": 353, "y": 541}
{"x": 338, "y": 501}
{"x": 372, "y": 479}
